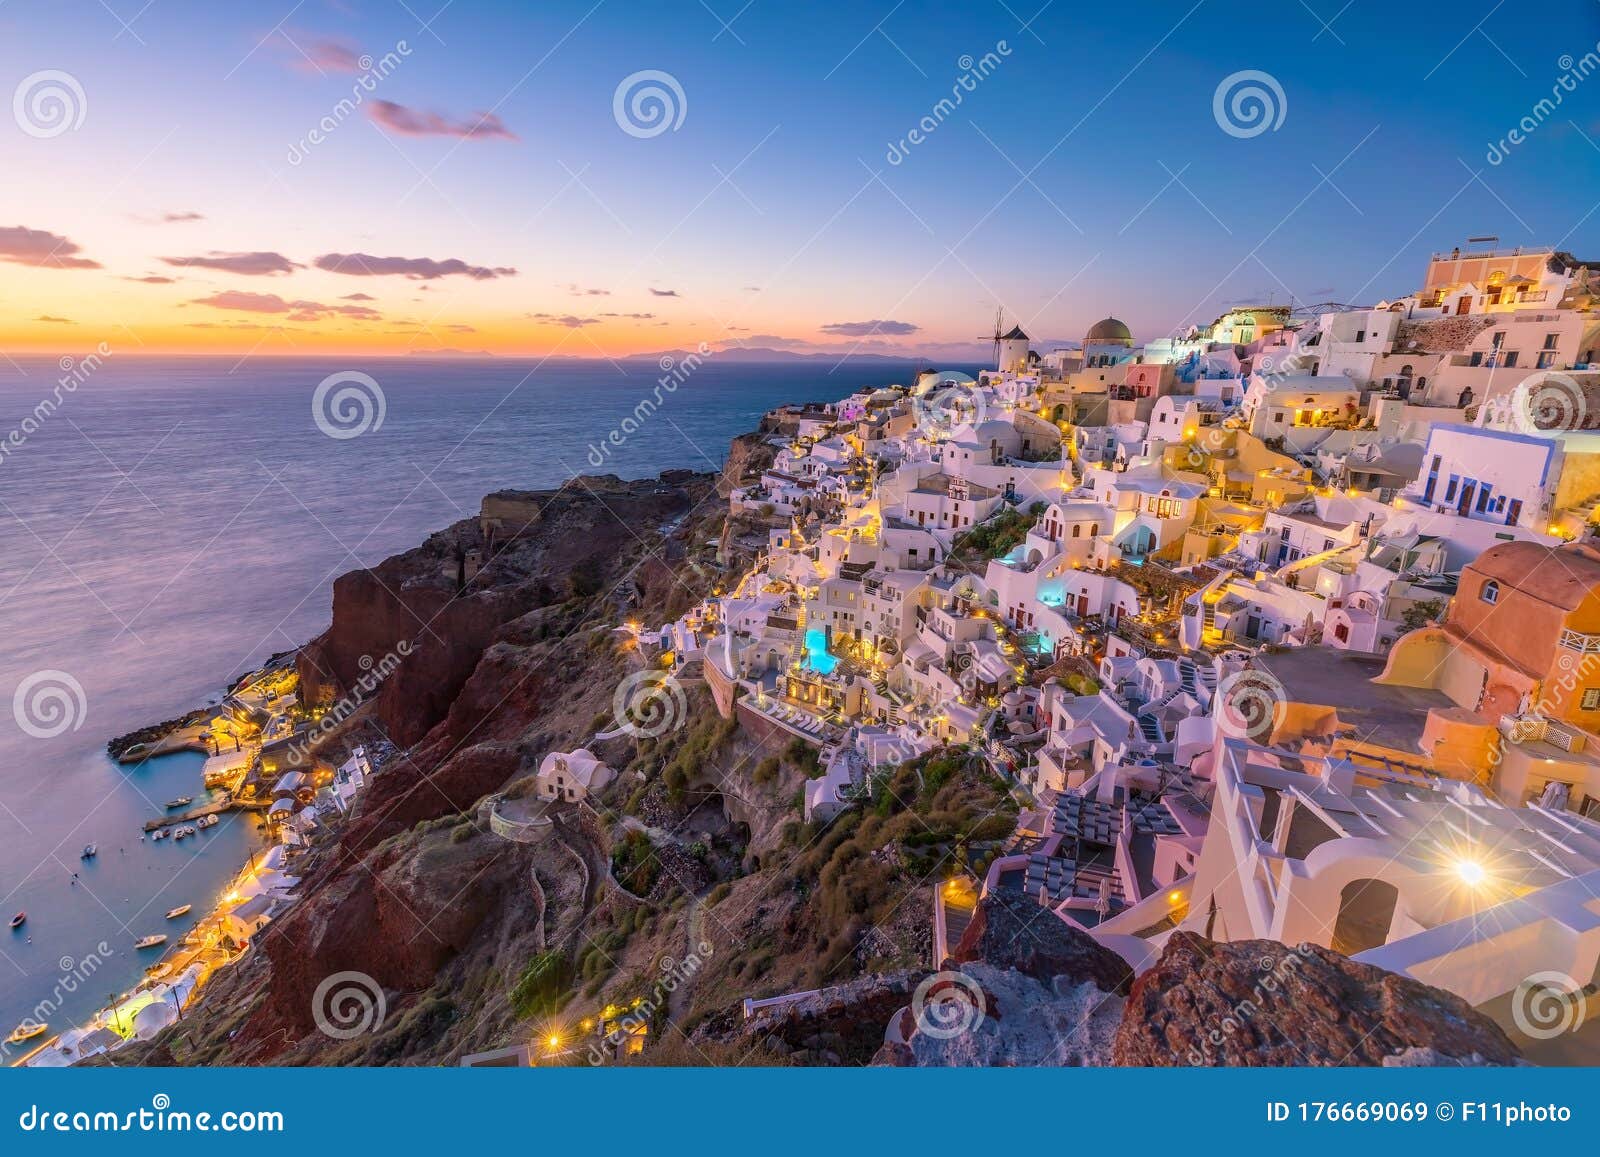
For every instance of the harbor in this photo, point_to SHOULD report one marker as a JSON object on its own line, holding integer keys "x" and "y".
{"x": 258, "y": 768}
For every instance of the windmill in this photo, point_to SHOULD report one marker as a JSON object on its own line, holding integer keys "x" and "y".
{"x": 999, "y": 332}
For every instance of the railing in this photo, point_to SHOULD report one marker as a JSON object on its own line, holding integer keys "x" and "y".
{"x": 1580, "y": 642}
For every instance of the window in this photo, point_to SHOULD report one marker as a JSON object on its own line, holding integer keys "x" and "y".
{"x": 1550, "y": 344}
{"x": 1490, "y": 592}
{"x": 1591, "y": 698}
{"x": 1546, "y": 360}
{"x": 1510, "y": 359}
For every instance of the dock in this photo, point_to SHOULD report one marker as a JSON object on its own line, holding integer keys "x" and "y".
{"x": 208, "y": 809}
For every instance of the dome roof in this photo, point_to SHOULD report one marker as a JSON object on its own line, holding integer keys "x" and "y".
{"x": 1109, "y": 330}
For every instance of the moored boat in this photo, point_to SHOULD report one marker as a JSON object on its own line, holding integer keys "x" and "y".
{"x": 180, "y": 911}
{"x": 26, "y": 1032}
{"x": 181, "y": 801}
{"x": 150, "y": 941}
{"x": 89, "y": 852}
{"x": 19, "y": 919}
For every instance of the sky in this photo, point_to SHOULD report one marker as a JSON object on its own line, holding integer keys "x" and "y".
{"x": 409, "y": 176}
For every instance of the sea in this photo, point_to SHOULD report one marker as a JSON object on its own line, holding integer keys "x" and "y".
{"x": 167, "y": 524}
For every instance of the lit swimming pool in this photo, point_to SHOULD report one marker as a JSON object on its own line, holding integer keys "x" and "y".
{"x": 817, "y": 657}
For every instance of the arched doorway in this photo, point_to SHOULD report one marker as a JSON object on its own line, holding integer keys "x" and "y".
{"x": 1366, "y": 910}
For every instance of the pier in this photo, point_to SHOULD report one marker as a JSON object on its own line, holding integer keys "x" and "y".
{"x": 208, "y": 809}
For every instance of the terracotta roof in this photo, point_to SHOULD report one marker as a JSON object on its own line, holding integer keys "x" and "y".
{"x": 1563, "y": 576}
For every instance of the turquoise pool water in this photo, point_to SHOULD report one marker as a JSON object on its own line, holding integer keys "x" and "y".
{"x": 817, "y": 657}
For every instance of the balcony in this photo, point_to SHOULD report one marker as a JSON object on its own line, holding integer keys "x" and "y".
{"x": 1581, "y": 643}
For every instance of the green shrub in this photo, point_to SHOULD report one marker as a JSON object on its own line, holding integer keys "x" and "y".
{"x": 544, "y": 986}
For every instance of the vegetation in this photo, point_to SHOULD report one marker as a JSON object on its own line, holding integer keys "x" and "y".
{"x": 544, "y": 986}
{"x": 635, "y": 864}
{"x": 999, "y": 535}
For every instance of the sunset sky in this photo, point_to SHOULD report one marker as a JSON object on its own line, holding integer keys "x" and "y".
{"x": 483, "y": 196}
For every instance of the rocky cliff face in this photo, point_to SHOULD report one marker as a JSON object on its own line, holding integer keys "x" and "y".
{"x": 1256, "y": 1002}
{"x": 494, "y": 668}
{"x": 1012, "y": 931}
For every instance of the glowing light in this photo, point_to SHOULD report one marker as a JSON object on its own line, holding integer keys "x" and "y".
{"x": 554, "y": 1042}
{"x": 1472, "y": 873}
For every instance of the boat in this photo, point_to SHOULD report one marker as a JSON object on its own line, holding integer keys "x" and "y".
{"x": 150, "y": 941}
{"x": 19, "y": 919}
{"x": 207, "y": 821}
{"x": 181, "y": 801}
{"x": 26, "y": 1031}
{"x": 89, "y": 852}
{"x": 180, "y": 911}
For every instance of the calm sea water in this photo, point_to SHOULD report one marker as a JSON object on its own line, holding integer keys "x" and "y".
{"x": 176, "y": 521}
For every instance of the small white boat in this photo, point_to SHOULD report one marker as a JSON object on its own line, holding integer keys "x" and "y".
{"x": 26, "y": 1031}
{"x": 181, "y": 801}
{"x": 181, "y": 911}
{"x": 89, "y": 852}
{"x": 150, "y": 941}
{"x": 208, "y": 821}
{"x": 19, "y": 919}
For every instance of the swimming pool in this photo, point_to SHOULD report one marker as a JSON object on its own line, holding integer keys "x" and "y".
{"x": 817, "y": 657}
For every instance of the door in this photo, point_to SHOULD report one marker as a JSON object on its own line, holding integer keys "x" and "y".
{"x": 1464, "y": 505}
{"x": 1514, "y": 512}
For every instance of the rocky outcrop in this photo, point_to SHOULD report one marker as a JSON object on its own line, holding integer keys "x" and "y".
{"x": 1010, "y": 930}
{"x": 398, "y": 916}
{"x": 834, "y": 1026}
{"x": 748, "y": 456}
{"x": 1257, "y": 1002}
{"x": 423, "y": 619}
{"x": 1001, "y": 1017}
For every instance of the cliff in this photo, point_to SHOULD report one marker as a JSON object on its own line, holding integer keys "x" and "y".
{"x": 1257, "y": 1002}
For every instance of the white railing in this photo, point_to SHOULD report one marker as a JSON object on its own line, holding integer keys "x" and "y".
{"x": 1580, "y": 642}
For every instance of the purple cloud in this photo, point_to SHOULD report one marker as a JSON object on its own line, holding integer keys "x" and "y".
{"x": 152, "y": 279}
{"x": 22, "y": 246}
{"x": 571, "y": 321}
{"x": 183, "y": 215}
{"x": 265, "y": 264}
{"x": 664, "y": 292}
{"x": 55, "y": 320}
{"x": 410, "y": 122}
{"x": 866, "y": 328}
{"x": 292, "y": 310}
{"x": 416, "y": 268}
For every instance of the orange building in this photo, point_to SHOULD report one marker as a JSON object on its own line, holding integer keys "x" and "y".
{"x": 1520, "y": 648}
